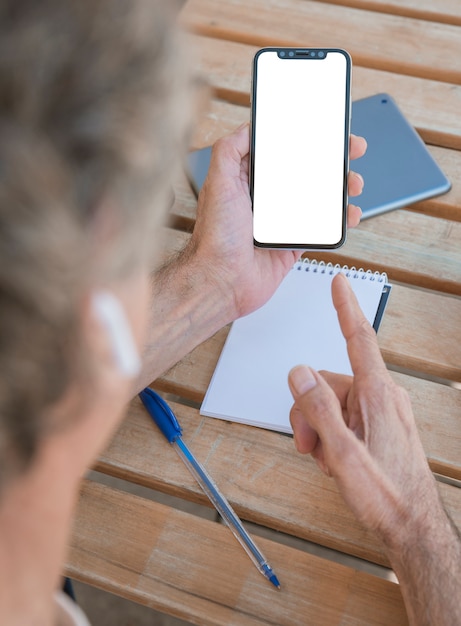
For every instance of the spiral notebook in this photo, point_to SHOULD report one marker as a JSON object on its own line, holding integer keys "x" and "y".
{"x": 297, "y": 325}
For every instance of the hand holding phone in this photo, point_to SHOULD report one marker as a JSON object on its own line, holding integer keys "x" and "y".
{"x": 299, "y": 154}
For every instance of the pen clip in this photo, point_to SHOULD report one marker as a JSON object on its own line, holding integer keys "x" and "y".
{"x": 161, "y": 413}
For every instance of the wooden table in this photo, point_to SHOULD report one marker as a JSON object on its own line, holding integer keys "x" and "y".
{"x": 190, "y": 566}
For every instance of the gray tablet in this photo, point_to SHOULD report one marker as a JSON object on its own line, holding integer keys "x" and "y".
{"x": 397, "y": 168}
{"x": 197, "y": 165}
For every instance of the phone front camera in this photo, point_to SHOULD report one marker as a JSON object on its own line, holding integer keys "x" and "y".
{"x": 291, "y": 53}
{"x": 321, "y": 54}
{"x": 312, "y": 54}
{"x": 282, "y": 53}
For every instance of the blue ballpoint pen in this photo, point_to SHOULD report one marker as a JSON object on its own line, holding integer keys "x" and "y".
{"x": 166, "y": 420}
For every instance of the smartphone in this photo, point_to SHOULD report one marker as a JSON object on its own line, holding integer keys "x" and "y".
{"x": 299, "y": 154}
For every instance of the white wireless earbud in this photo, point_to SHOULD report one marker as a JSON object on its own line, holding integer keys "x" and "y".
{"x": 110, "y": 313}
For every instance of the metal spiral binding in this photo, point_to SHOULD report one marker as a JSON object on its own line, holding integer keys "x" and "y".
{"x": 320, "y": 267}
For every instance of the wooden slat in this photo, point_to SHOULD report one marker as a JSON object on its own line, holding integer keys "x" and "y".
{"x": 219, "y": 119}
{"x": 194, "y": 569}
{"x": 413, "y": 334}
{"x": 419, "y": 249}
{"x": 446, "y": 11}
{"x": 412, "y": 248}
{"x": 392, "y": 43}
{"x": 410, "y": 338}
{"x": 437, "y": 407}
{"x": 431, "y": 106}
{"x": 265, "y": 479}
{"x": 447, "y": 206}
{"x": 191, "y": 376}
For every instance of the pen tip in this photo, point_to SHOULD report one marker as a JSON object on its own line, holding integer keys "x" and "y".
{"x": 274, "y": 581}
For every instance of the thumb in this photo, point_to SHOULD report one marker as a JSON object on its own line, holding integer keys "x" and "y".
{"x": 364, "y": 485}
{"x": 319, "y": 409}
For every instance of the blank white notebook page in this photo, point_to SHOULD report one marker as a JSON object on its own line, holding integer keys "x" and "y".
{"x": 297, "y": 325}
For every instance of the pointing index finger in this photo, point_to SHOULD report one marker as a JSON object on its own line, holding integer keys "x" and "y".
{"x": 362, "y": 345}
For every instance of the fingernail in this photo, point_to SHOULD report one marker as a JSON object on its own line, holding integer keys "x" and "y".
{"x": 241, "y": 126}
{"x": 302, "y": 379}
{"x": 360, "y": 177}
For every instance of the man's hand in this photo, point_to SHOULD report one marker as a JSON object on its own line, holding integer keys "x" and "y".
{"x": 362, "y": 432}
{"x": 220, "y": 275}
{"x": 223, "y": 235}
{"x": 361, "y": 429}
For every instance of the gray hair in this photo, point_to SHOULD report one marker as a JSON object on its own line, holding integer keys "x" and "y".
{"x": 90, "y": 121}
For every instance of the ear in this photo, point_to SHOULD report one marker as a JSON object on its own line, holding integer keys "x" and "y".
{"x": 92, "y": 413}
{"x": 108, "y": 311}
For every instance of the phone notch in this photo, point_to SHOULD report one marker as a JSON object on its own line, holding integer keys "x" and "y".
{"x": 302, "y": 53}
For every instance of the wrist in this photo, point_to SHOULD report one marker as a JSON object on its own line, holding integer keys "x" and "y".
{"x": 209, "y": 275}
{"x": 186, "y": 309}
{"x": 427, "y": 566}
{"x": 425, "y": 530}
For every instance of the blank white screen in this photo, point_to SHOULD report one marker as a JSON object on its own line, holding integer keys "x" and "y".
{"x": 299, "y": 150}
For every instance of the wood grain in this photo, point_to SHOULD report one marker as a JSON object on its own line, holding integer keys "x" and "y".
{"x": 447, "y": 11}
{"x": 446, "y": 206}
{"x": 265, "y": 479}
{"x": 392, "y": 42}
{"x": 432, "y": 106}
{"x": 413, "y": 334}
{"x": 414, "y": 248}
{"x": 194, "y": 569}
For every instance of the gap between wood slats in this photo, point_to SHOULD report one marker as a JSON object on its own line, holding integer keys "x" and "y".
{"x": 359, "y": 58}
{"x": 440, "y": 380}
{"x": 409, "y": 277}
{"x": 227, "y": 27}
{"x": 441, "y": 361}
{"x": 397, "y": 274}
{"x": 261, "y": 508}
{"x": 442, "y": 472}
{"x": 431, "y": 137}
{"x": 256, "y": 529}
{"x": 431, "y": 106}
{"x": 157, "y": 567}
{"x": 446, "y": 206}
